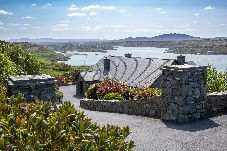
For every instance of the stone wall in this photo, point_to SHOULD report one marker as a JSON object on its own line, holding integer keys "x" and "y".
{"x": 146, "y": 107}
{"x": 184, "y": 93}
{"x": 33, "y": 86}
{"x": 216, "y": 103}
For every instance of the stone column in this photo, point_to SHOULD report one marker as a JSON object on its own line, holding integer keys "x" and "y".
{"x": 184, "y": 93}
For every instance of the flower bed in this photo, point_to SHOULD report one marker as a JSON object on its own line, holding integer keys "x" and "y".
{"x": 99, "y": 90}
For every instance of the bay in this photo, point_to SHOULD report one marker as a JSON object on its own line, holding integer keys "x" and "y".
{"x": 90, "y": 58}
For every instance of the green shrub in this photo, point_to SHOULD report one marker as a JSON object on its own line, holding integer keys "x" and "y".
{"x": 41, "y": 126}
{"x": 91, "y": 93}
{"x": 143, "y": 93}
{"x": 14, "y": 61}
{"x": 113, "y": 96}
{"x": 216, "y": 81}
{"x": 25, "y": 62}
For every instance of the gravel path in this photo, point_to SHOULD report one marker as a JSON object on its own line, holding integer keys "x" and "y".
{"x": 153, "y": 134}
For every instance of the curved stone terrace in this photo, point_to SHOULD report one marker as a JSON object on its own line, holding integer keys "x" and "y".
{"x": 154, "y": 134}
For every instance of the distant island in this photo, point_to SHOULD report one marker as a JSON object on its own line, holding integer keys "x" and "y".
{"x": 175, "y": 42}
{"x": 164, "y": 37}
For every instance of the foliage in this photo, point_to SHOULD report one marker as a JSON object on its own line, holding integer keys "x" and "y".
{"x": 41, "y": 126}
{"x": 25, "y": 62}
{"x": 216, "y": 81}
{"x": 91, "y": 92}
{"x": 143, "y": 93}
{"x": 99, "y": 90}
{"x": 7, "y": 67}
{"x": 113, "y": 96}
{"x": 14, "y": 61}
{"x": 59, "y": 94}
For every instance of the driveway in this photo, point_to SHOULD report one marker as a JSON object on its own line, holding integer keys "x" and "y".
{"x": 153, "y": 134}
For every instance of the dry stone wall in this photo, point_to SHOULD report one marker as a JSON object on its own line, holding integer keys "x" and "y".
{"x": 184, "y": 93}
{"x": 146, "y": 107}
{"x": 216, "y": 103}
{"x": 33, "y": 86}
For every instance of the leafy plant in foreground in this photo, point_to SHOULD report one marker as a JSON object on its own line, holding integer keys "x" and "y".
{"x": 44, "y": 126}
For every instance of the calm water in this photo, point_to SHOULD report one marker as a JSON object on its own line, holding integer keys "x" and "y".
{"x": 219, "y": 61}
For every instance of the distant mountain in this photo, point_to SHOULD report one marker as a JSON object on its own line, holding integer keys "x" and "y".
{"x": 164, "y": 37}
{"x": 174, "y": 37}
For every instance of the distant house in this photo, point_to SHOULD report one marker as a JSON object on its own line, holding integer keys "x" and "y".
{"x": 132, "y": 71}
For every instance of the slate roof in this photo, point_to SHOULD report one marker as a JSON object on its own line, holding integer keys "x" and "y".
{"x": 134, "y": 71}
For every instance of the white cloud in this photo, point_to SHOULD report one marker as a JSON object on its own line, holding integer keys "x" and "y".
{"x": 27, "y": 17}
{"x": 26, "y": 24}
{"x": 65, "y": 21}
{"x": 73, "y": 7}
{"x": 61, "y": 29}
{"x": 86, "y": 28}
{"x": 146, "y": 30}
{"x": 163, "y": 12}
{"x": 34, "y": 4}
{"x": 118, "y": 26}
{"x": 109, "y": 7}
{"x": 182, "y": 26}
{"x": 158, "y": 9}
{"x": 1, "y": 23}
{"x": 222, "y": 24}
{"x": 90, "y": 7}
{"x": 195, "y": 21}
{"x": 98, "y": 27}
{"x": 47, "y": 5}
{"x": 196, "y": 14}
{"x": 122, "y": 11}
{"x": 13, "y": 24}
{"x": 3, "y": 12}
{"x": 24, "y": 28}
{"x": 209, "y": 8}
{"x": 62, "y": 25}
{"x": 77, "y": 15}
{"x": 37, "y": 27}
{"x": 93, "y": 13}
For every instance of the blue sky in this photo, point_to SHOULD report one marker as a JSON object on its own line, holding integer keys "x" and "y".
{"x": 111, "y": 19}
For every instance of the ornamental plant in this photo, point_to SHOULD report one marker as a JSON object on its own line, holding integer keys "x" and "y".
{"x": 45, "y": 126}
{"x": 113, "y": 96}
{"x": 216, "y": 81}
{"x": 143, "y": 93}
{"x": 100, "y": 89}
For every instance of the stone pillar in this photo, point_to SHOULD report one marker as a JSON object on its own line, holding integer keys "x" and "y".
{"x": 184, "y": 93}
{"x": 33, "y": 86}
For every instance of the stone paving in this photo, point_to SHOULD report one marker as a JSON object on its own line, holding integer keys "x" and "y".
{"x": 154, "y": 134}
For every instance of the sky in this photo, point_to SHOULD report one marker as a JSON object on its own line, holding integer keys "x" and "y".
{"x": 111, "y": 19}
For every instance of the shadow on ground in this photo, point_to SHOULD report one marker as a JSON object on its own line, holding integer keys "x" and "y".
{"x": 78, "y": 96}
{"x": 193, "y": 126}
